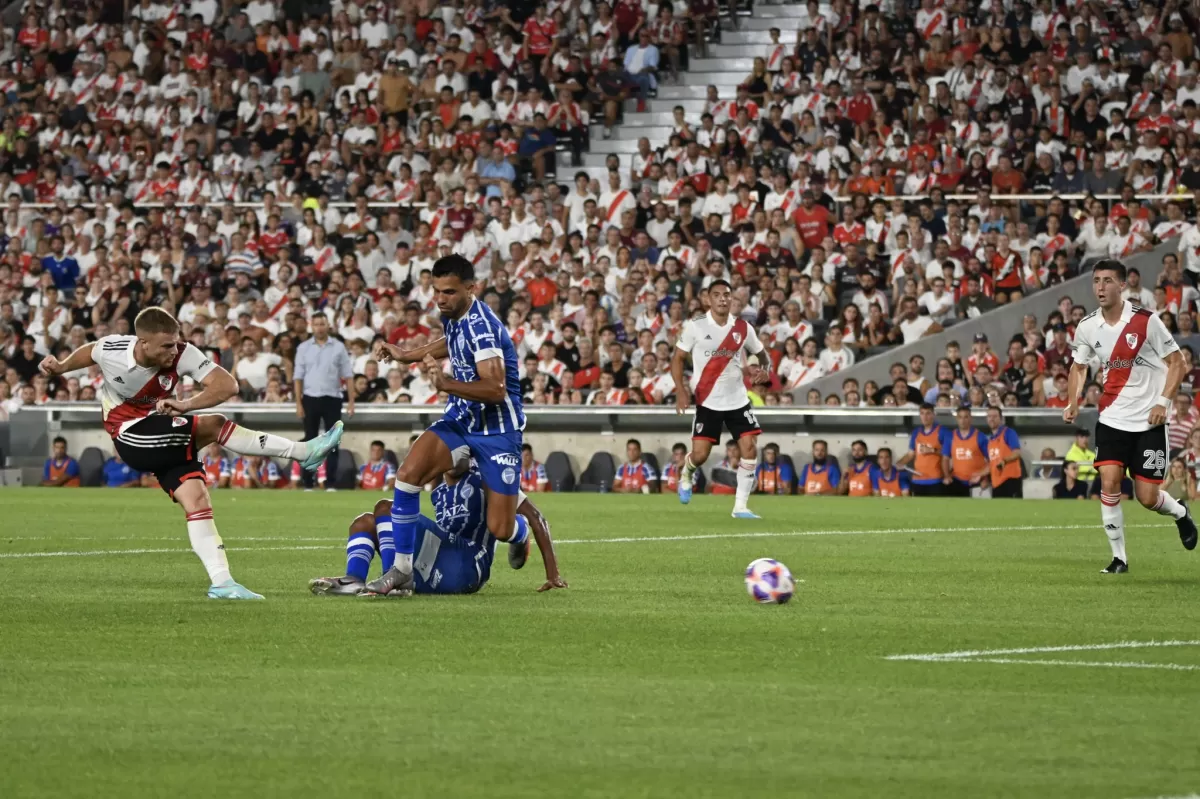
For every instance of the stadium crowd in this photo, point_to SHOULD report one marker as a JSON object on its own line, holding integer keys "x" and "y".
{"x": 249, "y": 166}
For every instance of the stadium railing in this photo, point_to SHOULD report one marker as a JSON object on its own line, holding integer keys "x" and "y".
{"x": 577, "y": 431}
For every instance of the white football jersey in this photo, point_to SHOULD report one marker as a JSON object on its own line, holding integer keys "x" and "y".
{"x": 130, "y": 391}
{"x": 1131, "y": 356}
{"x": 723, "y": 347}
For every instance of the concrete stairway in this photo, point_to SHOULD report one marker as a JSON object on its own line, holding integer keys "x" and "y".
{"x": 726, "y": 67}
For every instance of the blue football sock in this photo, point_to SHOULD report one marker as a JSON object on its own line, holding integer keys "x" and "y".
{"x": 387, "y": 544}
{"x": 520, "y": 531}
{"x": 360, "y": 550}
{"x": 406, "y": 511}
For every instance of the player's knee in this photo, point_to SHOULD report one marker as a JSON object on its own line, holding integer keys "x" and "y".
{"x": 209, "y": 425}
{"x": 363, "y": 523}
{"x": 383, "y": 508}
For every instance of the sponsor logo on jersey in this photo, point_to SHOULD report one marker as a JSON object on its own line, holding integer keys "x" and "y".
{"x": 506, "y": 459}
{"x": 721, "y": 353}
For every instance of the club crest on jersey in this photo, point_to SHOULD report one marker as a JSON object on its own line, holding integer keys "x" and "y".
{"x": 1131, "y": 339}
{"x": 166, "y": 381}
{"x": 178, "y": 421}
{"x": 737, "y": 338}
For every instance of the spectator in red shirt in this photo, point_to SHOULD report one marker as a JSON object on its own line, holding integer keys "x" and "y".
{"x": 811, "y": 220}
{"x": 412, "y": 326}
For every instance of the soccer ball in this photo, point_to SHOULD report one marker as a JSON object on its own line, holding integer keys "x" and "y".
{"x": 769, "y": 582}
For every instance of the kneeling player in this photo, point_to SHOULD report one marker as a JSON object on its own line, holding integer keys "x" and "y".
{"x": 1142, "y": 370}
{"x": 454, "y": 550}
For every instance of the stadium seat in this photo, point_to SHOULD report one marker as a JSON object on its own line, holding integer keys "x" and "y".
{"x": 651, "y": 459}
{"x": 787, "y": 461}
{"x": 347, "y": 470}
{"x": 390, "y": 457}
{"x": 724, "y": 477}
{"x": 559, "y": 472}
{"x": 91, "y": 467}
{"x": 599, "y": 474}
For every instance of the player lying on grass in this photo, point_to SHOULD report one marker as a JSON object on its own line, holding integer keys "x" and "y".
{"x": 154, "y": 432}
{"x": 1141, "y": 369}
{"x": 454, "y": 549}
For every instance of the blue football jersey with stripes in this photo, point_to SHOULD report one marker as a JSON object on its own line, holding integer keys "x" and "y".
{"x": 460, "y": 510}
{"x": 479, "y": 335}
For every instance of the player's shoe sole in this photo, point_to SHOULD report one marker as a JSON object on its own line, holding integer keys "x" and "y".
{"x": 685, "y": 494}
{"x": 393, "y": 582}
{"x": 232, "y": 590}
{"x": 518, "y": 554}
{"x": 1117, "y": 566}
{"x": 321, "y": 447}
{"x": 745, "y": 514}
{"x": 336, "y": 586}
{"x": 1187, "y": 530}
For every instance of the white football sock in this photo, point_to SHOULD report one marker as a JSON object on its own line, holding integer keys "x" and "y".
{"x": 207, "y": 545}
{"x": 245, "y": 441}
{"x": 688, "y": 472}
{"x": 745, "y": 483}
{"x": 1114, "y": 523}
{"x": 1167, "y": 505}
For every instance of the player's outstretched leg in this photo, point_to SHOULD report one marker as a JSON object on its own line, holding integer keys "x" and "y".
{"x": 244, "y": 441}
{"x": 1162, "y": 503}
{"x": 428, "y": 458}
{"x": 360, "y": 551}
{"x": 748, "y": 446}
{"x": 192, "y": 496}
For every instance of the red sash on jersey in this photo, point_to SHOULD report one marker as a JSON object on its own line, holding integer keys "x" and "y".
{"x": 1128, "y": 345}
{"x": 935, "y": 22}
{"x": 615, "y": 204}
{"x": 734, "y": 340}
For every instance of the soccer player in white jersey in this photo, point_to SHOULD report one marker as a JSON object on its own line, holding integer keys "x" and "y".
{"x": 1141, "y": 369}
{"x": 153, "y": 432}
{"x": 717, "y": 344}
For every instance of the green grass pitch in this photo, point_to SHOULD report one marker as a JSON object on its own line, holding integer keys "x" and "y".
{"x": 654, "y": 675}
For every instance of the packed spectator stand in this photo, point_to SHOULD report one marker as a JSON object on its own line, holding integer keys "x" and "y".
{"x": 865, "y": 174}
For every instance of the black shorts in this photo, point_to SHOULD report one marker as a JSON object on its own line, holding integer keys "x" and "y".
{"x": 164, "y": 446}
{"x": 1144, "y": 453}
{"x": 1012, "y": 488}
{"x": 707, "y": 423}
{"x": 926, "y": 489}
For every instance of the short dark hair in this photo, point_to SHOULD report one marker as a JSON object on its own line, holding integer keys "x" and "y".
{"x": 859, "y": 441}
{"x": 456, "y": 266}
{"x": 634, "y": 441}
{"x": 821, "y": 441}
{"x": 377, "y": 442}
{"x": 882, "y": 450}
{"x": 679, "y": 447}
{"x": 526, "y": 448}
{"x": 720, "y": 282}
{"x": 1110, "y": 265}
{"x": 927, "y": 406}
{"x": 60, "y": 440}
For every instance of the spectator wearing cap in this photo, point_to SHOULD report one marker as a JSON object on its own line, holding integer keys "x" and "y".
{"x": 322, "y": 368}
{"x": 1080, "y": 452}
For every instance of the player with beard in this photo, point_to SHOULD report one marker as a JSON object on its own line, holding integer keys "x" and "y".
{"x": 1141, "y": 369}
{"x": 856, "y": 482}
{"x": 717, "y": 344}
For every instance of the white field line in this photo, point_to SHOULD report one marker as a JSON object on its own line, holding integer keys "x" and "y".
{"x": 619, "y": 540}
{"x": 1034, "y": 650}
{"x": 996, "y": 656}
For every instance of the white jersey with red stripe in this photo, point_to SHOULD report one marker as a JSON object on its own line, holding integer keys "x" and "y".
{"x": 718, "y": 360}
{"x": 130, "y": 391}
{"x": 1131, "y": 356}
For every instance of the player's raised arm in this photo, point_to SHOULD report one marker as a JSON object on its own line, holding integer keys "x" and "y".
{"x": 79, "y": 359}
{"x": 490, "y": 387}
{"x": 436, "y": 349}
{"x": 217, "y": 384}
{"x": 541, "y": 533}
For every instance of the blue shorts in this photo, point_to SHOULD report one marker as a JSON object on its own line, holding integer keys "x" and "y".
{"x": 445, "y": 564}
{"x": 498, "y": 454}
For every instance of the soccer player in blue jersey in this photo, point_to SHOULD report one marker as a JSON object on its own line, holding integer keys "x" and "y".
{"x": 483, "y": 417}
{"x": 455, "y": 551}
